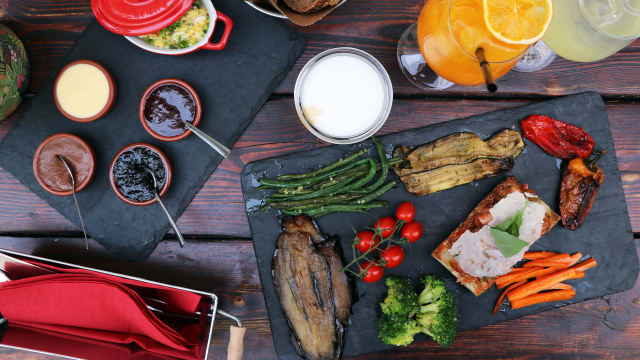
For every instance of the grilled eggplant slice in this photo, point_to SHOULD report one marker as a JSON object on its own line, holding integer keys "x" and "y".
{"x": 314, "y": 293}
{"x": 458, "y": 148}
{"x": 303, "y": 224}
{"x": 303, "y": 283}
{"x": 340, "y": 284}
{"x": 448, "y": 176}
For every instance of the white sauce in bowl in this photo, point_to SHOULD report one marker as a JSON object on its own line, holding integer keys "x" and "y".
{"x": 343, "y": 96}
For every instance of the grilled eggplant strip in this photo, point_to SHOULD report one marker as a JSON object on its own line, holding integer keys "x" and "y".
{"x": 458, "y": 148}
{"x": 581, "y": 180}
{"x": 303, "y": 283}
{"x": 313, "y": 290}
{"x": 446, "y": 177}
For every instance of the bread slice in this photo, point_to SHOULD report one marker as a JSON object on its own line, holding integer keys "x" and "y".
{"x": 441, "y": 253}
{"x": 307, "y": 6}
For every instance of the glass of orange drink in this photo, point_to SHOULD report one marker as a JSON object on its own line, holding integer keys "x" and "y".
{"x": 454, "y": 39}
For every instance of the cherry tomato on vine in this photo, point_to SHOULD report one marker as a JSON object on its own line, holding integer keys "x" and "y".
{"x": 366, "y": 240}
{"x": 412, "y": 231}
{"x": 373, "y": 273}
{"x": 387, "y": 224}
{"x": 406, "y": 212}
{"x": 392, "y": 256}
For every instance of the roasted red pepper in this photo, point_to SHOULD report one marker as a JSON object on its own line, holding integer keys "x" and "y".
{"x": 581, "y": 181}
{"x": 558, "y": 138}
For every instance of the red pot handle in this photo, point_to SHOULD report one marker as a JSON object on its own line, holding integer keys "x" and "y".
{"x": 228, "y": 24}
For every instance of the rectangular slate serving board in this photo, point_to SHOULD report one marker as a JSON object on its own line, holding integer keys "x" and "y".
{"x": 232, "y": 84}
{"x": 606, "y": 233}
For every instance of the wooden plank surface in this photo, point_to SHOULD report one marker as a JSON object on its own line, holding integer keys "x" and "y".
{"x": 220, "y": 258}
{"x": 607, "y": 327}
{"x": 219, "y": 209}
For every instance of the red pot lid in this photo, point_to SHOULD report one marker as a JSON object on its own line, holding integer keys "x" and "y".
{"x": 138, "y": 17}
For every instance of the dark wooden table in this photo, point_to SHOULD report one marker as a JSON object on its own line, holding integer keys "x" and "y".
{"x": 219, "y": 256}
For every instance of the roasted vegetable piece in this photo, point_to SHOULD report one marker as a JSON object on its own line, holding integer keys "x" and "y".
{"x": 449, "y": 176}
{"x": 458, "y": 148}
{"x": 438, "y": 316}
{"x": 557, "y": 138}
{"x": 581, "y": 181}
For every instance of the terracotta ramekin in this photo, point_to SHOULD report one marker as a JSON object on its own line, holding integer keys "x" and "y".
{"x": 165, "y": 161}
{"x": 110, "y": 101}
{"x": 196, "y": 99}
{"x": 85, "y": 146}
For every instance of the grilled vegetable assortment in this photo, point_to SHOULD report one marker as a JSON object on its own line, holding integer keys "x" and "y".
{"x": 581, "y": 181}
{"x": 346, "y": 185}
{"x": 456, "y": 159}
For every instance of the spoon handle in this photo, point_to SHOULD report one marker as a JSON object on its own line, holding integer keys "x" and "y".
{"x": 215, "y": 144}
{"x": 173, "y": 223}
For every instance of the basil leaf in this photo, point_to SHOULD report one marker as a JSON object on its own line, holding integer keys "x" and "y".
{"x": 508, "y": 244}
{"x": 512, "y": 224}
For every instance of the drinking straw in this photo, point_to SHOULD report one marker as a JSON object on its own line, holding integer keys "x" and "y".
{"x": 486, "y": 71}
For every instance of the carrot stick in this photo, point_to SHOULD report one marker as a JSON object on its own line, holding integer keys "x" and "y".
{"x": 507, "y": 279}
{"x": 587, "y": 264}
{"x": 543, "y": 282}
{"x": 534, "y": 255}
{"x": 578, "y": 275}
{"x": 558, "y": 261}
{"x": 504, "y": 294}
{"x": 559, "y": 286}
{"x": 543, "y": 297}
{"x": 575, "y": 258}
{"x": 544, "y": 263}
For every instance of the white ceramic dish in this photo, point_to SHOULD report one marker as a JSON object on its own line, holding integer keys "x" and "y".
{"x": 204, "y": 43}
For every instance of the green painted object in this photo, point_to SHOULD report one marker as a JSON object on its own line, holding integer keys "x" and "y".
{"x": 14, "y": 72}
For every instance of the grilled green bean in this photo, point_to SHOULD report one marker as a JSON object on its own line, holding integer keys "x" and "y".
{"x": 310, "y": 180}
{"x": 327, "y": 168}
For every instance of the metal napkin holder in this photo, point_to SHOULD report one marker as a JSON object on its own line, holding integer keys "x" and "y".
{"x": 210, "y": 300}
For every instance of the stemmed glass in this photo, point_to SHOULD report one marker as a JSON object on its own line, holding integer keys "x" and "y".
{"x": 585, "y": 31}
{"x": 441, "y": 49}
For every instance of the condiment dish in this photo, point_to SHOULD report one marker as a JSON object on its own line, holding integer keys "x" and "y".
{"x": 143, "y": 105}
{"x": 75, "y": 148}
{"x": 110, "y": 100}
{"x": 167, "y": 168}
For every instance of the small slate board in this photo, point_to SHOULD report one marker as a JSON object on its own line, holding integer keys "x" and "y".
{"x": 232, "y": 85}
{"x": 606, "y": 233}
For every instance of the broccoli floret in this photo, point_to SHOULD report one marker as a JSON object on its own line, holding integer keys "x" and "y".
{"x": 398, "y": 330}
{"x": 398, "y": 325}
{"x": 438, "y": 316}
{"x": 401, "y": 297}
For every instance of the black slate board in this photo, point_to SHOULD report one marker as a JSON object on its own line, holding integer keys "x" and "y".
{"x": 606, "y": 234}
{"x": 232, "y": 85}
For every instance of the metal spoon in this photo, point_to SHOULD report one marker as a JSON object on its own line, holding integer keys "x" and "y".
{"x": 215, "y": 144}
{"x": 73, "y": 191}
{"x": 166, "y": 212}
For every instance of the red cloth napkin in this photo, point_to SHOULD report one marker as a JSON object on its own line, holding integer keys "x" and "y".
{"x": 178, "y": 301}
{"x": 93, "y": 307}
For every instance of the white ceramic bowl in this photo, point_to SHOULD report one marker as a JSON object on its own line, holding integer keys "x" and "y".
{"x": 204, "y": 43}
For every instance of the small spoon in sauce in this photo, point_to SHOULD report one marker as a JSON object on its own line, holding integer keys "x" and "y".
{"x": 73, "y": 188}
{"x": 215, "y": 144}
{"x": 164, "y": 208}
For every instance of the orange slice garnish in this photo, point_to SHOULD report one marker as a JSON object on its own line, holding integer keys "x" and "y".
{"x": 518, "y": 21}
